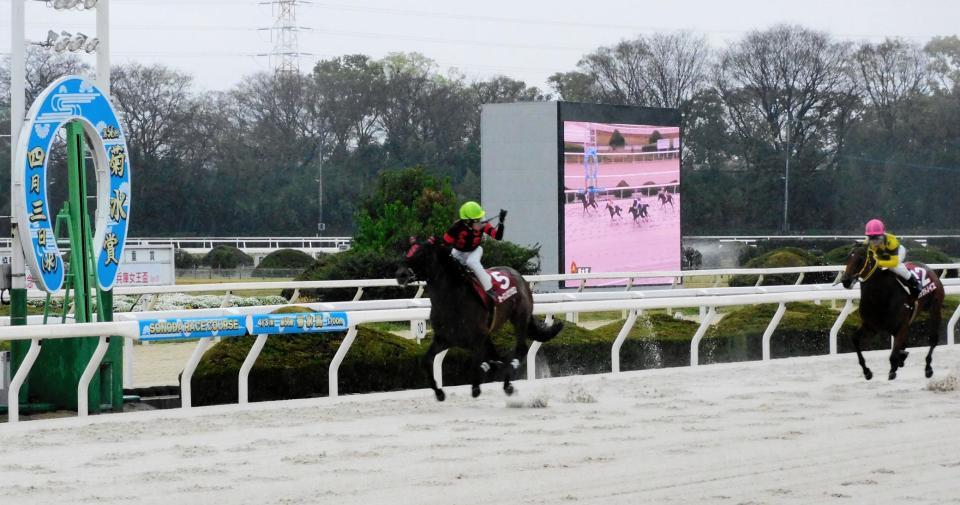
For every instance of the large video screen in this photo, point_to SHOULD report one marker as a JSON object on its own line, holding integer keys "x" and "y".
{"x": 621, "y": 199}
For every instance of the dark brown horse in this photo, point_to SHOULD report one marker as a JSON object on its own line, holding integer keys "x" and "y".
{"x": 461, "y": 318}
{"x": 886, "y": 306}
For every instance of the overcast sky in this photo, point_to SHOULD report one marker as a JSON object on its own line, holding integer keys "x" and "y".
{"x": 217, "y": 40}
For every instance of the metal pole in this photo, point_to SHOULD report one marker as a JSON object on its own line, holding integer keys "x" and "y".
{"x": 103, "y": 49}
{"x": 320, "y": 195}
{"x": 18, "y": 268}
{"x": 786, "y": 179}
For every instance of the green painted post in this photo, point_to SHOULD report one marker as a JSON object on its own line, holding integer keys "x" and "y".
{"x": 19, "y": 348}
{"x": 61, "y": 363}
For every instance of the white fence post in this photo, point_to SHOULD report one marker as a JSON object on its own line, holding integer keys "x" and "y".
{"x": 13, "y": 396}
{"x": 438, "y": 367}
{"x": 701, "y": 331}
{"x": 128, "y": 363}
{"x": 618, "y": 343}
{"x": 332, "y": 377}
{"x": 771, "y": 327}
{"x": 952, "y": 325}
{"x": 244, "y": 376}
{"x": 835, "y": 329}
{"x": 186, "y": 396}
{"x": 84, "y": 385}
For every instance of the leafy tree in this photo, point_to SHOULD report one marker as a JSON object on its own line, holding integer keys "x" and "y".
{"x": 406, "y": 202}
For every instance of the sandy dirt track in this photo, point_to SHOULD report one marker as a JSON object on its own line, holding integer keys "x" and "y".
{"x": 799, "y": 430}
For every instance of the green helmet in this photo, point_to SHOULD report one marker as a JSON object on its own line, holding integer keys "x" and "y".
{"x": 471, "y": 210}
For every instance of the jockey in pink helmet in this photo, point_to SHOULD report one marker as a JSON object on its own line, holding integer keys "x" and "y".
{"x": 889, "y": 252}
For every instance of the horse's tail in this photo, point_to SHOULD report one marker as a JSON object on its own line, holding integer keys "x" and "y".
{"x": 539, "y": 331}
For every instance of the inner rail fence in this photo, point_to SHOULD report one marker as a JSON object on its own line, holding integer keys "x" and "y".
{"x": 611, "y": 280}
{"x": 259, "y": 321}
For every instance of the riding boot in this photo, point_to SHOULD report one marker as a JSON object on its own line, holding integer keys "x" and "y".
{"x": 914, "y": 285}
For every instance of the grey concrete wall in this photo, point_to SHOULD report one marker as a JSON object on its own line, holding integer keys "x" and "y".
{"x": 518, "y": 172}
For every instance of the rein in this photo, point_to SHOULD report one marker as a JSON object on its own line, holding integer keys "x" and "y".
{"x": 866, "y": 263}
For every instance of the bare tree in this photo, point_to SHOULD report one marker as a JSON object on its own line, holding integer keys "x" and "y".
{"x": 944, "y": 53}
{"x": 890, "y": 73}
{"x": 619, "y": 72}
{"x": 663, "y": 70}
{"x": 153, "y": 102}
{"x": 786, "y": 83}
{"x": 676, "y": 68}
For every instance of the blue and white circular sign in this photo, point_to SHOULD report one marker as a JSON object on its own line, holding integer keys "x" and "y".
{"x": 72, "y": 98}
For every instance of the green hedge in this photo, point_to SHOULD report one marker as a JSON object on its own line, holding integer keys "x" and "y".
{"x": 292, "y": 259}
{"x": 226, "y": 256}
{"x": 296, "y": 366}
{"x": 348, "y": 265}
{"x": 780, "y": 258}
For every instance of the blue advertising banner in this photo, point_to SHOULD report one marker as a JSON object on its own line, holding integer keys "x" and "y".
{"x": 71, "y": 98}
{"x": 302, "y": 322}
{"x": 192, "y": 327}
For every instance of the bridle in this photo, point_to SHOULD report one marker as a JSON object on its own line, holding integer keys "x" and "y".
{"x": 866, "y": 263}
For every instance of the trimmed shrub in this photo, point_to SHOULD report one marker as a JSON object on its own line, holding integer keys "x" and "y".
{"x": 348, "y": 265}
{"x": 780, "y": 258}
{"x": 226, "y": 256}
{"x": 296, "y": 366}
{"x": 950, "y": 246}
{"x": 617, "y": 140}
{"x": 284, "y": 258}
{"x": 803, "y": 331}
{"x": 838, "y": 255}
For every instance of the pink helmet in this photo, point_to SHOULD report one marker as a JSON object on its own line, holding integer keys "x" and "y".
{"x": 874, "y": 228}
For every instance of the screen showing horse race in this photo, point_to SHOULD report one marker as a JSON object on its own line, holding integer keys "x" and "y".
{"x": 620, "y": 199}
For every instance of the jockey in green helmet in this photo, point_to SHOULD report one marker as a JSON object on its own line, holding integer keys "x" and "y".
{"x": 464, "y": 239}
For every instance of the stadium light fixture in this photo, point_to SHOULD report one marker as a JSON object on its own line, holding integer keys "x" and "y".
{"x": 65, "y": 4}
{"x": 77, "y": 42}
{"x": 91, "y": 45}
{"x": 61, "y": 44}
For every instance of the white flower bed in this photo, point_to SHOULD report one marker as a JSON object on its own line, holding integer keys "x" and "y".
{"x": 173, "y": 301}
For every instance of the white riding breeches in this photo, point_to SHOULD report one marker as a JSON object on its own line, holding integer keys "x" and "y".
{"x": 901, "y": 268}
{"x": 472, "y": 260}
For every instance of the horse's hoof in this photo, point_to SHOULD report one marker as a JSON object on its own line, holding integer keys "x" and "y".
{"x": 868, "y": 374}
{"x": 508, "y": 388}
{"x": 893, "y": 375}
{"x": 929, "y": 372}
{"x": 475, "y": 391}
{"x": 441, "y": 396}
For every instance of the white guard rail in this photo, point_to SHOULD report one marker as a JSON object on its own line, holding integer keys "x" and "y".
{"x": 131, "y": 329}
{"x": 631, "y": 280}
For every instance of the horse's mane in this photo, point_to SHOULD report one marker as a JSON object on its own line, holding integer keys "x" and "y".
{"x": 449, "y": 266}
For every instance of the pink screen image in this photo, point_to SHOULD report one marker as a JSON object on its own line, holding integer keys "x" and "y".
{"x": 621, "y": 200}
